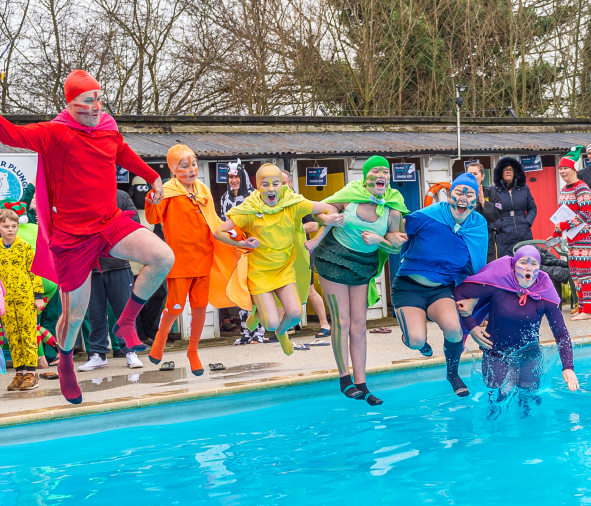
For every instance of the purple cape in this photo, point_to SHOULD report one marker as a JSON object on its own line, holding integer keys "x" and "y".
{"x": 501, "y": 273}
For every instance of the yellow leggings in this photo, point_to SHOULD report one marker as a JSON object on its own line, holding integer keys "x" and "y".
{"x": 20, "y": 328}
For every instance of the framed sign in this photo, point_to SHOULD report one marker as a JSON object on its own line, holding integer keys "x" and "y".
{"x": 221, "y": 172}
{"x": 404, "y": 172}
{"x": 586, "y": 163}
{"x": 316, "y": 176}
{"x": 531, "y": 163}
{"x": 468, "y": 162}
{"x": 122, "y": 175}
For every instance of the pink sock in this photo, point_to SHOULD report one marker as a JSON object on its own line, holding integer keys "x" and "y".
{"x": 67, "y": 377}
{"x": 125, "y": 326}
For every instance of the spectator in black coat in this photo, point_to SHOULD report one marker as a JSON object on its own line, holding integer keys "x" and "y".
{"x": 519, "y": 208}
{"x": 489, "y": 205}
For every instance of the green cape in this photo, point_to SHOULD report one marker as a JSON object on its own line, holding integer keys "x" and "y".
{"x": 356, "y": 192}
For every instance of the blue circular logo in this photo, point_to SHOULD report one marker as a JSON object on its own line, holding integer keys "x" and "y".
{"x": 10, "y": 186}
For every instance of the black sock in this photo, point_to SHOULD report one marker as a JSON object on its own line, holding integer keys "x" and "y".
{"x": 426, "y": 350}
{"x": 372, "y": 400}
{"x": 453, "y": 352}
{"x": 348, "y": 388}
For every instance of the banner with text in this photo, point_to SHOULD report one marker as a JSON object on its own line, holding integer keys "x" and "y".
{"x": 16, "y": 172}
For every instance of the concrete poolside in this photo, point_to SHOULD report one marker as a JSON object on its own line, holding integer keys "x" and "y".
{"x": 247, "y": 367}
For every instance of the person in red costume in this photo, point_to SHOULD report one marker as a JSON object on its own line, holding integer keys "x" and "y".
{"x": 78, "y": 216}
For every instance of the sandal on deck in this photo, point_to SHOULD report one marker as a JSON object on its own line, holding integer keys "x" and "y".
{"x": 322, "y": 333}
{"x": 167, "y": 366}
{"x": 381, "y": 330}
{"x": 49, "y": 375}
{"x": 217, "y": 367}
{"x": 317, "y": 342}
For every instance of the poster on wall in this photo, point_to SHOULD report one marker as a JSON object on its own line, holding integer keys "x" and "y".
{"x": 122, "y": 175}
{"x": 16, "y": 172}
{"x": 586, "y": 162}
{"x": 316, "y": 176}
{"x": 468, "y": 162}
{"x": 404, "y": 172}
{"x": 221, "y": 172}
{"x": 531, "y": 163}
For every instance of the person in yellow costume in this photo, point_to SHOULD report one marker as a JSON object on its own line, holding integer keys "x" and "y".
{"x": 202, "y": 265}
{"x": 278, "y": 264}
{"x": 23, "y": 297}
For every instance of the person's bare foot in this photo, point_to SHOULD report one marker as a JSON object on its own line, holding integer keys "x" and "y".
{"x": 581, "y": 316}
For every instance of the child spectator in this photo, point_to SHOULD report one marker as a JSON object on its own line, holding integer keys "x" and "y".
{"x": 24, "y": 292}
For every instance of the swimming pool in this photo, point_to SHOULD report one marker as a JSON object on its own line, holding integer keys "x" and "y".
{"x": 310, "y": 445}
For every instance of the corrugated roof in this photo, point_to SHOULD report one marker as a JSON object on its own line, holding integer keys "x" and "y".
{"x": 334, "y": 143}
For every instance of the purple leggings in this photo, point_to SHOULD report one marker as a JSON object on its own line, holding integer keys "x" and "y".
{"x": 521, "y": 369}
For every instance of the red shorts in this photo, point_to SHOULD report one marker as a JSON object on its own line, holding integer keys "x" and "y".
{"x": 178, "y": 288}
{"x": 76, "y": 255}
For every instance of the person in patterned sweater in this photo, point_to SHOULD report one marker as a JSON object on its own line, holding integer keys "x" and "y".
{"x": 576, "y": 195}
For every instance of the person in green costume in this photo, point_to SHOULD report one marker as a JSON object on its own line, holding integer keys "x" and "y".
{"x": 348, "y": 260}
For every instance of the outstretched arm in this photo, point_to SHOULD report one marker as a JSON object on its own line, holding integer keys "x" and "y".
{"x": 565, "y": 348}
{"x": 328, "y": 216}
{"x": 223, "y": 234}
{"x": 36, "y": 137}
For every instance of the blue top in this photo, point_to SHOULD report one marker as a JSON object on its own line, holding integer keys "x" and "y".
{"x": 434, "y": 251}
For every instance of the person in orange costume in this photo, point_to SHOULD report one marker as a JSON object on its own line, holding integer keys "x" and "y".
{"x": 202, "y": 265}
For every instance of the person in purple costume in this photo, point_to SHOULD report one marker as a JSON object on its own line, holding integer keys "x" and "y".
{"x": 515, "y": 295}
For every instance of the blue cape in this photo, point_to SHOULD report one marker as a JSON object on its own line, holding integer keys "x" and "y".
{"x": 474, "y": 231}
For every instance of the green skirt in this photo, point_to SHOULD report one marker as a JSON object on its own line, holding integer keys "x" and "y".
{"x": 339, "y": 264}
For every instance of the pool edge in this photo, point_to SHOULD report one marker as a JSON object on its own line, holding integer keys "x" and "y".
{"x": 162, "y": 398}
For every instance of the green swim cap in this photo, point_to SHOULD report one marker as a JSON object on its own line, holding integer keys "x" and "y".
{"x": 374, "y": 161}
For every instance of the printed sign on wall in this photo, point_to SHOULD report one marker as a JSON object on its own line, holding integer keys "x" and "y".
{"x": 531, "y": 163}
{"x": 586, "y": 162}
{"x": 221, "y": 172}
{"x": 316, "y": 176}
{"x": 404, "y": 172}
{"x": 122, "y": 175}
{"x": 16, "y": 172}
{"x": 468, "y": 162}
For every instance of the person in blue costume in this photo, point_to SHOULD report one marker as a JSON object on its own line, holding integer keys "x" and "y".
{"x": 447, "y": 242}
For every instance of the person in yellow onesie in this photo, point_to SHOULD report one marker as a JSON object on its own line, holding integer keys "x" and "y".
{"x": 278, "y": 264}
{"x": 24, "y": 292}
{"x": 202, "y": 265}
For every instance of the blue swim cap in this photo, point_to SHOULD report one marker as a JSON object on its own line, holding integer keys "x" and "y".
{"x": 467, "y": 179}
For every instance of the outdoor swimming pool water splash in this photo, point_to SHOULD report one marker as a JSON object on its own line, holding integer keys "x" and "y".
{"x": 424, "y": 445}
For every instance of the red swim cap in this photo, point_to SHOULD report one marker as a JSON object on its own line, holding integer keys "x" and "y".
{"x": 77, "y": 82}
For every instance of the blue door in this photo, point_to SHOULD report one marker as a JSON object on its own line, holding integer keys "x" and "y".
{"x": 411, "y": 193}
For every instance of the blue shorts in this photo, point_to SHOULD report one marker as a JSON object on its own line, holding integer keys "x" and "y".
{"x": 406, "y": 292}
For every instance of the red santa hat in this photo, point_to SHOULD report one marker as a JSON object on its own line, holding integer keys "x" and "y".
{"x": 77, "y": 82}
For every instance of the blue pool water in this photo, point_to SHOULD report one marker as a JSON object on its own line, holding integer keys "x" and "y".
{"x": 311, "y": 446}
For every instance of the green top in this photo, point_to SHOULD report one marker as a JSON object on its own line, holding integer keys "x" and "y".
{"x": 349, "y": 233}
{"x": 356, "y": 192}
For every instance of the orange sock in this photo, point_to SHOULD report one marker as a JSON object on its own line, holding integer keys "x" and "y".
{"x": 197, "y": 323}
{"x": 161, "y": 336}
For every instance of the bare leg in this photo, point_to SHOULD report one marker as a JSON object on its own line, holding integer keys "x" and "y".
{"x": 413, "y": 323}
{"x": 337, "y": 298}
{"x": 292, "y": 307}
{"x": 74, "y": 304}
{"x": 315, "y": 299}
{"x": 358, "y": 330}
{"x": 144, "y": 247}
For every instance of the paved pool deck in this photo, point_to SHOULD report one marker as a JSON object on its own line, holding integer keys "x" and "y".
{"x": 247, "y": 368}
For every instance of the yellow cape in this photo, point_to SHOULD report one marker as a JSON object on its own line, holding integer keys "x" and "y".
{"x": 225, "y": 257}
{"x": 237, "y": 290}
